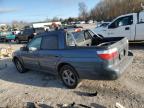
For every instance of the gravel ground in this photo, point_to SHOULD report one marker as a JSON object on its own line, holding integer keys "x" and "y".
{"x": 17, "y": 89}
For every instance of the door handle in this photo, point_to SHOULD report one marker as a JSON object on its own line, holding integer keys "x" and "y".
{"x": 127, "y": 28}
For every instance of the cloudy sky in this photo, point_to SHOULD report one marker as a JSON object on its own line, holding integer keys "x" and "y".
{"x": 37, "y": 10}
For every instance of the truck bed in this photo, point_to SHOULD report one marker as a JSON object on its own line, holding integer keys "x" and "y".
{"x": 108, "y": 41}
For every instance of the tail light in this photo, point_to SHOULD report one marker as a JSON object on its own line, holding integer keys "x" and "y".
{"x": 108, "y": 54}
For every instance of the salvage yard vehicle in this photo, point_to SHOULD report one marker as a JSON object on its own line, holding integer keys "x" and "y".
{"x": 28, "y": 34}
{"x": 7, "y": 36}
{"x": 75, "y": 55}
{"x": 129, "y": 25}
{"x": 24, "y": 35}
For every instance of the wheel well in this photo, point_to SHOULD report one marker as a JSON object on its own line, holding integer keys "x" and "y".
{"x": 15, "y": 58}
{"x": 16, "y": 37}
{"x": 63, "y": 64}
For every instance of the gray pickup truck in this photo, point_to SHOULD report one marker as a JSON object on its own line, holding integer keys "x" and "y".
{"x": 74, "y": 55}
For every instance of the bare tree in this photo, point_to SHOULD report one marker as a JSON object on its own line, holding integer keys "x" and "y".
{"x": 4, "y": 28}
{"x": 55, "y": 19}
{"x": 83, "y": 14}
{"x": 109, "y": 9}
{"x": 18, "y": 25}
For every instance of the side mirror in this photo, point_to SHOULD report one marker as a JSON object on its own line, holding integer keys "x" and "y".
{"x": 32, "y": 49}
{"x": 24, "y": 48}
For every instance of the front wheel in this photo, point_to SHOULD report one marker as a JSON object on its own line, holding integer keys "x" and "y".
{"x": 17, "y": 41}
{"x": 29, "y": 40}
{"x": 69, "y": 77}
{"x": 19, "y": 66}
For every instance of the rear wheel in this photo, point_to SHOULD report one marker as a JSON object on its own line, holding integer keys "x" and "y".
{"x": 19, "y": 66}
{"x": 69, "y": 76}
{"x": 29, "y": 39}
{"x": 17, "y": 41}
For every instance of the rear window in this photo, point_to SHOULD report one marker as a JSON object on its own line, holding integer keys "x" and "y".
{"x": 49, "y": 42}
{"x": 79, "y": 36}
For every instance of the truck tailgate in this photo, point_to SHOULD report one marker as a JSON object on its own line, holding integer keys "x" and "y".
{"x": 122, "y": 50}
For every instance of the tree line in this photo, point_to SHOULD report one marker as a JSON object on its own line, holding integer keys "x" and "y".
{"x": 109, "y": 9}
{"x": 105, "y": 10}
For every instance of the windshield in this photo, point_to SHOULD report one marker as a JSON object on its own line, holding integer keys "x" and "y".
{"x": 104, "y": 25}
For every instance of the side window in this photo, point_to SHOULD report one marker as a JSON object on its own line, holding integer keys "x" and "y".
{"x": 123, "y": 21}
{"x": 49, "y": 42}
{"x": 126, "y": 21}
{"x": 35, "y": 43}
{"x": 87, "y": 35}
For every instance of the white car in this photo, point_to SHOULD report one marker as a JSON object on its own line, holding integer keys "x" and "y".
{"x": 90, "y": 22}
{"x": 82, "y": 22}
{"x": 16, "y": 32}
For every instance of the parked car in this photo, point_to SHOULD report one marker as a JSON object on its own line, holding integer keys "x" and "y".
{"x": 7, "y": 36}
{"x": 75, "y": 55}
{"x": 90, "y": 22}
{"x": 28, "y": 34}
{"x": 82, "y": 22}
{"x": 129, "y": 25}
{"x": 15, "y": 31}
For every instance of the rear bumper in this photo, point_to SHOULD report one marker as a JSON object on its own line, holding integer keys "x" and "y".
{"x": 114, "y": 72}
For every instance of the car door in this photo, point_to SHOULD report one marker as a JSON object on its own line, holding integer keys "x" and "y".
{"x": 121, "y": 27}
{"x": 30, "y": 57}
{"x": 49, "y": 54}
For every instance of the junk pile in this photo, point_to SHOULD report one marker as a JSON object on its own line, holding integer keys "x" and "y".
{"x": 5, "y": 52}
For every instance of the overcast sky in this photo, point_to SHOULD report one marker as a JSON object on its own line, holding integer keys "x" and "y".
{"x": 38, "y": 10}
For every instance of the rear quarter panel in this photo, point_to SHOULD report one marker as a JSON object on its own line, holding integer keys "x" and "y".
{"x": 84, "y": 61}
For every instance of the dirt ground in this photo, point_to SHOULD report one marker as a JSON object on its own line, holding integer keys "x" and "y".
{"x": 18, "y": 89}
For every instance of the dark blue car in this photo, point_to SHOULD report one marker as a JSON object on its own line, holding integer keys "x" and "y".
{"x": 74, "y": 55}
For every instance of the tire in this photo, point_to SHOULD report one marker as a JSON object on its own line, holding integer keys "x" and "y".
{"x": 29, "y": 39}
{"x": 19, "y": 66}
{"x": 5, "y": 40}
{"x": 69, "y": 76}
{"x": 17, "y": 41}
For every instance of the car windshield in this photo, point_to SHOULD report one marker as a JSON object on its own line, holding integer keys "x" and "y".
{"x": 104, "y": 25}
